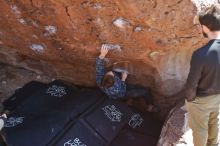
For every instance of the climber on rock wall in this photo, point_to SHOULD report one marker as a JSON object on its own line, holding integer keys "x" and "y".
{"x": 202, "y": 89}
{"x": 113, "y": 83}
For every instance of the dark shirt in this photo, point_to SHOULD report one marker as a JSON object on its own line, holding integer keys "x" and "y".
{"x": 204, "y": 76}
{"x": 118, "y": 90}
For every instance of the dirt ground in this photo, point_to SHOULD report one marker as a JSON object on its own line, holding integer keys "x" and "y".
{"x": 12, "y": 78}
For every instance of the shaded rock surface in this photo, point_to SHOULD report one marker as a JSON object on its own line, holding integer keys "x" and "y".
{"x": 12, "y": 79}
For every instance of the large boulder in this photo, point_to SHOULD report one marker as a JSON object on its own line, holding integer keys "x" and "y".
{"x": 61, "y": 39}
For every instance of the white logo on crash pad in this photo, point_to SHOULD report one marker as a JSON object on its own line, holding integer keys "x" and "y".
{"x": 112, "y": 113}
{"x": 13, "y": 121}
{"x": 75, "y": 142}
{"x": 135, "y": 121}
{"x": 57, "y": 91}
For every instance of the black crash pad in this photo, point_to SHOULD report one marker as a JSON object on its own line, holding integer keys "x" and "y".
{"x": 59, "y": 113}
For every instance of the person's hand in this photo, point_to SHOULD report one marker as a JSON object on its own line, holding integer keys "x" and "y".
{"x": 4, "y": 115}
{"x": 124, "y": 76}
{"x": 104, "y": 51}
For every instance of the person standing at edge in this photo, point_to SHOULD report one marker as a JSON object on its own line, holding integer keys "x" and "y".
{"x": 202, "y": 89}
{"x": 114, "y": 86}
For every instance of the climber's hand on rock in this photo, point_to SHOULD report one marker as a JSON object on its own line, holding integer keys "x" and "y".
{"x": 124, "y": 76}
{"x": 104, "y": 51}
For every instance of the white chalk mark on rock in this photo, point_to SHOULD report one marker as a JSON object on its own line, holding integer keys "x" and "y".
{"x": 154, "y": 54}
{"x": 37, "y": 47}
{"x": 34, "y": 23}
{"x": 138, "y": 28}
{"x": 15, "y": 10}
{"x": 22, "y": 21}
{"x": 121, "y": 22}
{"x": 35, "y": 36}
{"x": 97, "y": 6}
{"x": 51, "y": 29}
